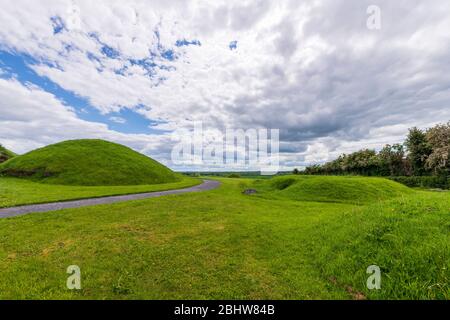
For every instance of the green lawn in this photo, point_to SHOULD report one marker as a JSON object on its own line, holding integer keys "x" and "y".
{"x": 14, "y": 191}
{"x": 88, "y": 162}
{"x": 340, "y": 189}
{"x": 222, "y": 244}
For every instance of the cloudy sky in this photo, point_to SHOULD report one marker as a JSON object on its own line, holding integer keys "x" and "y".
{"x": 132, "y": 72}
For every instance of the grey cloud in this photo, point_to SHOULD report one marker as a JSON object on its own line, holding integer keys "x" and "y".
{"x": 347, "y": 93}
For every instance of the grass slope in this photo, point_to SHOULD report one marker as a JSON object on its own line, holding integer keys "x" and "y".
{"x": 222, "y": 244}
{"x": 5, "y": 154}
{"x": 408, "y": 238}
{"x": 14, "y": 191}
{"x": 89, "y": 163}
{"x": 358, "y": 190}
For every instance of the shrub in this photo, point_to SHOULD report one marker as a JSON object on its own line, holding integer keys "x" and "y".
{"x": 5, "y": 154}
{"x": 441, "y": 182}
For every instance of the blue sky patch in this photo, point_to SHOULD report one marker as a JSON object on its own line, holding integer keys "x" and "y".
{"x": 184, "y": 42}
{"x": 18, "y": 66}
{"x": 148, "y": 64}
{"x": 58, "y": 24}
{"x": 233, "y": 45}
{"x": 110, "y": 52}
{"x": 135, "y": 123}
{"x": 168, "y": 54}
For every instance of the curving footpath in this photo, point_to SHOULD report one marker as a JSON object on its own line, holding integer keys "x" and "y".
{"x": 21, "y": 210}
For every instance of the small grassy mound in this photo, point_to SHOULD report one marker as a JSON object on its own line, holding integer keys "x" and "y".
{"x": 88, "y": 163}
{"x": 408, "y": 238}
{"x": 5, "y": 154}
{"x": 332, "y": 189}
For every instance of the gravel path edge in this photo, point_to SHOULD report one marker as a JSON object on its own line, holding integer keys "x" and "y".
{"x": 54, "y": 206}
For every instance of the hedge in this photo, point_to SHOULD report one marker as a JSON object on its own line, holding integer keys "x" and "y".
{"x": 441, "y": 182}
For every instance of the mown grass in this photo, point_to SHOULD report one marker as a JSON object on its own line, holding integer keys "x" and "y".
{"x": 407, "y": 237}
{"x": 343, "y": 189}
{"x": 88, "y": 162}
{"x": 222, "y": 244}
{"x": 14, "y": 191}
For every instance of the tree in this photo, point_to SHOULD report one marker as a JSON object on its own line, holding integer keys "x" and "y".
{"x": 438, "y": 139}
{"x": 295, "y": 171}
{"x": 427, "y": 153}
{"x": 363, "y": 162}
{"x": 392, "y": 160}
{"x": 314, "y": 169}
{"x": 418, "y": 151}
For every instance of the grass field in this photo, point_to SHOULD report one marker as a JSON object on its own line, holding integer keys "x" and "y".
{"x": 14, "y": 191}
{"x": 88, "y": 162}
{"x": 343, "y": 189}
{"x": 222, "y": 244}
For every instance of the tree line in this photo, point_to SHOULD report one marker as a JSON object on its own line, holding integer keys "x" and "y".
{"x": 424, "y": 153}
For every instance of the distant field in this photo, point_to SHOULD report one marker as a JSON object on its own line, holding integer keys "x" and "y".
{"x": 246, "y": 175}
{"x": 15, "y": 191}
{"x": 222, "y": 244}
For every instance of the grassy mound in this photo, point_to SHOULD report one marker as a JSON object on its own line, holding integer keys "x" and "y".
{"x": 333, "y": 189}
{"x": 408, "y": 238}
{"x": 5, "y": 154}
{"x": 89, "y": 163}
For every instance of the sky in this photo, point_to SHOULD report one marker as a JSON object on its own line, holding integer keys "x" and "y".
{"x": 134, "y": 72}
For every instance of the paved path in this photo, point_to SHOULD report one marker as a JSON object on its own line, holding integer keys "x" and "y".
{"x": 21, "y": 210}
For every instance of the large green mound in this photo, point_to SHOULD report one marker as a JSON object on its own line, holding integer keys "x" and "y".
{"x": 5, "y": 154}
{"x": 333, "y": 189}
{"x": 88, "y": 163}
